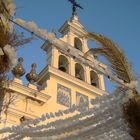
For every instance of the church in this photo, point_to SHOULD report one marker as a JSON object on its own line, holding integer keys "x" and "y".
{"x": 64, "y": 81}
{"x": 67, "y": 100}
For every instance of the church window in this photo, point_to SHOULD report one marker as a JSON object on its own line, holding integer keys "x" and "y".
{"x": 79, "y": 72}
{"x": 77, "y": 43}
{"x": 63, "y": 64}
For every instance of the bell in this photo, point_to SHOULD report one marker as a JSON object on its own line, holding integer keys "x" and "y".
{"x": 78, "y": 76}
{"x": 62, "y": 68}
{"x": 93, "y": 83}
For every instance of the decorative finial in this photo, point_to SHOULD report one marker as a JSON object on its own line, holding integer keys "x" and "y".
{"x": 18, "y": 70}
{"x": 74, "y": 6}
{"x": 32, "y": 77}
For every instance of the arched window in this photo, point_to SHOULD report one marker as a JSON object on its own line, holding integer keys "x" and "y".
{"x": 63, "y": 64}
{"x": 77, "y": 44}
{"x": 79, "y": 72}
{"x": 94, "y": 79}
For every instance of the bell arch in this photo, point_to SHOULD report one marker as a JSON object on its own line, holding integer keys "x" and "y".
{"x": 79, "y": 71}
{"x": 63, "y": 64}
{"x": 94, "y": 79}
{"x": 78, "y": 44}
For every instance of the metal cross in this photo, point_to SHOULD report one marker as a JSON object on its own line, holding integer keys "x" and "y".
{"x": 74, "y": 6}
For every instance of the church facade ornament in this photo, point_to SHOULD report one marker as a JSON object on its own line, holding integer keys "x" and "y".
{"x": 18, "y": 71}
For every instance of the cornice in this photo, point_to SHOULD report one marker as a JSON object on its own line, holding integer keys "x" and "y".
{"x": 43, "y": 75}
{"x": 20, "y": 113}
{"x": 63, "y": 26}
{"x": 51, "y": 71}
{"x": 29, "y": 92}
{"x": 76, "y": 28}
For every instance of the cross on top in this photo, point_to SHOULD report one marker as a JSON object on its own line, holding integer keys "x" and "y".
{"x": 74, "y": 6}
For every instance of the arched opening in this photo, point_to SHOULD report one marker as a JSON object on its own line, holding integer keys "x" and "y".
{"x": 79, "y": 72}
{"x": 63, "y": 64}
{"x": 94, "y": 79}
{"x": 92, "y": 44}
{"x": 77, "y": 44}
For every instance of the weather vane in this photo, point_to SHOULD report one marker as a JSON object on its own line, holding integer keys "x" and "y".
{"x": 74, "y": 6}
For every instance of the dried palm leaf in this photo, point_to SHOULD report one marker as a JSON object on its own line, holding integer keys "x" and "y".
{"x": 132, "y": 115}
{"x": 14, "y": 40}
{"x": 114, "y": 55}
{"x": 122, "y": 69}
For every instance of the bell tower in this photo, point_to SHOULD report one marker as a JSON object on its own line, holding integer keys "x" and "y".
{"x": 69, "y": 81}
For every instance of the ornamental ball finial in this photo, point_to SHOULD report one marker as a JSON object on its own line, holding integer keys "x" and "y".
{"x": 32, "y": 76}
{"x": 18, "y": 70}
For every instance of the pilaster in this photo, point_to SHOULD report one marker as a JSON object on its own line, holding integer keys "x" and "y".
{"x": 72, "y": 67}
{"x": 55, "y": 57}
{"x": 101, "y": 82}
{"x": 88, "y": 75}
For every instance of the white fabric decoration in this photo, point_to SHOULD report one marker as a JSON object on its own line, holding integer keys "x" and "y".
{"x": 1, "y": 52}
{"x": 11, "y": 7}
{"x": 11, "y": 53}
{"x": 102, "y": 122}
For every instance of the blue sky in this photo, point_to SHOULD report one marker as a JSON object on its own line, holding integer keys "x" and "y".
{"x": 117, "y": 19}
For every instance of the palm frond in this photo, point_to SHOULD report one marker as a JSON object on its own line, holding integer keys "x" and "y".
{"x": 14, "y": 39}
{"x": 131, "y": 111}
{"x": 118, "y": 62}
